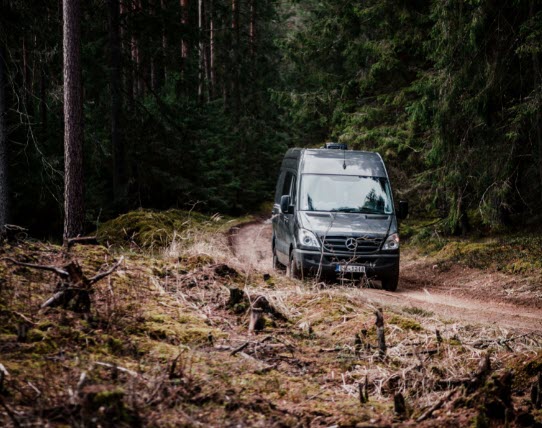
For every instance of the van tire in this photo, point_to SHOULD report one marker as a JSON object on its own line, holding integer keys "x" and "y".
{"x": 390, "y": 283}
{"x": 278, "y": 266}
{"x": 293, "y": 269}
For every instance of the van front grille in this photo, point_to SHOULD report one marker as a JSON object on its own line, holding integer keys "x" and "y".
{"x": 352, "y": 244}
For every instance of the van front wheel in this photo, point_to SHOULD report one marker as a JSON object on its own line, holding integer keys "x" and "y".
{"x": 293, "y": 269}
{"x": 390, "y": 283}
{"x": 278, "y": 266}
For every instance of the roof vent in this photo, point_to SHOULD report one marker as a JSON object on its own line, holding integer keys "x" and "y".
{"x": 337, "y": 146}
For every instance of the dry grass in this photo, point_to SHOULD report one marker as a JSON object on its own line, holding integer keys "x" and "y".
{"x": 162, "y": 345}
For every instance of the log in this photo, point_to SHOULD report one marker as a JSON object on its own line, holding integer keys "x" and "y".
{"x": 83, "y": 240}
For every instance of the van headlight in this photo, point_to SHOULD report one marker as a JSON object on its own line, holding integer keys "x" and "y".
{"x": 392, "y": 242}
{"x": 307, "y": 239}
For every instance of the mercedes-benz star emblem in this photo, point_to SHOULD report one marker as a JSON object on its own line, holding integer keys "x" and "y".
{"x": 351, "y": 244}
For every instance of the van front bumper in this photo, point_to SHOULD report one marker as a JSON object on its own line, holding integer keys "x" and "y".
{"x": 380, "y": 265}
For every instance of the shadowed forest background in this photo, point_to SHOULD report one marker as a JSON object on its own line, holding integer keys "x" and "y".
{"x": 193, "y": 103}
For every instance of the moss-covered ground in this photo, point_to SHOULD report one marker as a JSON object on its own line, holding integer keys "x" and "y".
{"x": 162, "y": 346}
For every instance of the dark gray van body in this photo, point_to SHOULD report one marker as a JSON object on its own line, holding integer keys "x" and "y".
{"x": 337, "y": 216}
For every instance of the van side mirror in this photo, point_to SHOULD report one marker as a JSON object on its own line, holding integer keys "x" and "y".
{"x": 285, "y": 206}
{"x": 403, "y": 210}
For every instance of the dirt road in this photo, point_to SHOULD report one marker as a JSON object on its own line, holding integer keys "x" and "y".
{"x": 450, "y": 291}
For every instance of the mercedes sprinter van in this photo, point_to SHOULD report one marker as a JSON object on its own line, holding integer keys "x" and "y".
{"x": 334, "y": 214}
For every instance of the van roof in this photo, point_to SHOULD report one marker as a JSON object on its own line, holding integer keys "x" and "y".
{"x": 328, "y": 161}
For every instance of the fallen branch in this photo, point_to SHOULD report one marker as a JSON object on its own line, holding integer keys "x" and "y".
{"x": 436, "y": 406}
{"x": 240, "y": 348}
{"x": 73, "y": 284}
{"x": 60, "y": 272}
{"x": 84, "y": 240}
{"x": 119, "y": 368}
{"x": 102, "y": 275}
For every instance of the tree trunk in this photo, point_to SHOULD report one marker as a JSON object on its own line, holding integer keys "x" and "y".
{"x": 537, "y": 80}
{"x": 73, "y": 121}
{"x": 4, "y": 192}
{"x": 27, "y": 85}
{"x": 236, "y": 57}
{"x": 115, "y": 82}
{"x": 201, "y": 52}
{"x": 212, "y": 78}
{"x": 252, "y": 29}
{"x": 163, "y": 74}
{"x": 184, "y": 42}
{"x": 126, "y": 42}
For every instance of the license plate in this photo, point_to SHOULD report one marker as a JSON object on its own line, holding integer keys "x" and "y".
{"x": 350, "y": 268}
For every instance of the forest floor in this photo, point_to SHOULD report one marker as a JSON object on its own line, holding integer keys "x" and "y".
{"x": 164, "y": 343}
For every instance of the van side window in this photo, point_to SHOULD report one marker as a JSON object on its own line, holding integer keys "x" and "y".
{"x": 287, "y": 186}
{"x": 280, "y": 184}
{"x": 293, "y": 188}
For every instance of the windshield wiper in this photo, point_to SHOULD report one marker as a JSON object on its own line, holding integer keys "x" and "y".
{"x": 345, "y": 210}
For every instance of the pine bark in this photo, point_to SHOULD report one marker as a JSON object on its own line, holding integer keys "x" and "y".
{"x": 73, "y": 120}
{"x": 4, "y": 192}
{"x": 115, "y": 82}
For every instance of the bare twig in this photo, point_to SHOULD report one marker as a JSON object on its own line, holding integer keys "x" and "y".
{"x": 240, "y": 348}
{"x": 102, "y": 275}
{"x": 60, "y": 272}
{"x": 119, "y": 368}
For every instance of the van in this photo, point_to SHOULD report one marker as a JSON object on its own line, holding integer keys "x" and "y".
{"x": 334, "y": 214}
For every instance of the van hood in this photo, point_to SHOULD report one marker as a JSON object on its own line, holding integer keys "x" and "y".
{"x": 347, "y": 224}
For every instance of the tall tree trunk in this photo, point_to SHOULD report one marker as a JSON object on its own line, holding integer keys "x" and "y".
{"x": 126, "y": 43}
{"x": 27, "y": 80}
{"x": 135, "y": 56}
{"x": 252, "y": 29}
{"x": 74, "y": 213}
{"x": 184, "y": 42}
{"x": 115, "y": 82}
{"x": 537, "y": 80}
{"x": 236, "y": 57}
{"x": 4, "y": 191}
{"x": 163, "y": 72}
{"x": 212, "y": 78}
{"x": 43, "y": 96}
{"x": 201, "y": 48}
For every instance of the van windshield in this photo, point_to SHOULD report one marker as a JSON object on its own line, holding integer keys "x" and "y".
{"x": 345, "y": 193}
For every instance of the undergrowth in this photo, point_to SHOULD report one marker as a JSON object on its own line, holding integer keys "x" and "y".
{"x": 162, "y": 346}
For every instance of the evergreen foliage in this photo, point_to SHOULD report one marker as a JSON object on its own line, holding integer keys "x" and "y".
{"x": 448, "y": 91}
{"x": 182, "y": 147}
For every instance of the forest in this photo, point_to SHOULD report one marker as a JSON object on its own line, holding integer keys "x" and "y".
{"x": 140, "y": 144}
{"x": 193, "y": 103}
